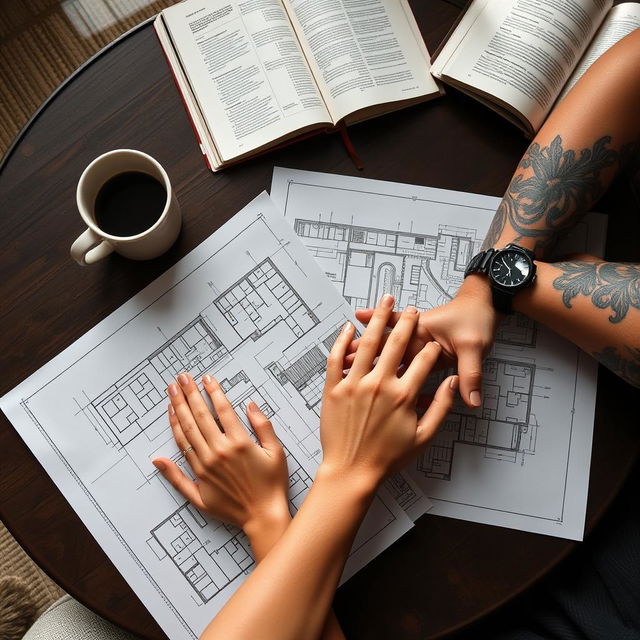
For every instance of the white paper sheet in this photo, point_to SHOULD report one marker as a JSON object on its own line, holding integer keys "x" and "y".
{"x": 521, "y": 460}
{"x": 248, "y": 305}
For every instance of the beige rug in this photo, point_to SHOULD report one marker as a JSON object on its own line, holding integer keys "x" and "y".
{"x": 25, "y": 591}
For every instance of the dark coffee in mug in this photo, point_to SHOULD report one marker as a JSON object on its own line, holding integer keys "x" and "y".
{"x": 129, "y": 203}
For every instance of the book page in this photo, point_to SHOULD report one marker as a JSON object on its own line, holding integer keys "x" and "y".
{"x": 620, "y": 21}
{"x": 362, "y": 52}
{"x": 521, "y": 52}
{"x": 247, "y": 71}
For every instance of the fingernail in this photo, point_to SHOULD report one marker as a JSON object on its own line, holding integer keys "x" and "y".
{"x": 454, "y": 383}
{"x": 183, "y": 379}
{"x": 206, "y": 379}
{"x": 474, "y": 398}
{"x": 252, "y": 406}
{"x": 171, "y": 410}
{"x": 411, "y": 309}
{"x": 173, "y": 389}
{"x": 158, "y": 464}
{"x": 347, "y": 326}
{"x": 386, "y": 300}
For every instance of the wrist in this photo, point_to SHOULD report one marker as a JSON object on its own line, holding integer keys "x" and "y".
{"x": 268, "y": 523}
{"x": 356, "y": 483}
{"x": 478, "y": 287}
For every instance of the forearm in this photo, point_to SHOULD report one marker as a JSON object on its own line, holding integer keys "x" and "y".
{"x": 289, "y": 593}
{"x": 575, "y": 155}
{"x": 263, "y": 535}
{"x": 594, "y": 304}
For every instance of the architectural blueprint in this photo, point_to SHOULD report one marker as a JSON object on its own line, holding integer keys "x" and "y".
{"x": 250, "y": 306}
{"x": 522, "y": 459}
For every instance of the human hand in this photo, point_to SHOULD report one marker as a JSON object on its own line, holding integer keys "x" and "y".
{"x": 368, "y": 425}
{"x": 238, "y": 481}
{"x": 464, "y": 327}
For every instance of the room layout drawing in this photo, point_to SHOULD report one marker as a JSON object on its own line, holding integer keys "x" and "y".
{"x": 423, "y": 270}
{"x": 504, "y": 426}
{"x": 248, "y": 297}
{"x": 367, "y": 262}
{"x": 136, "y": 403}
{"x": 208, "y": 567}
{"x": 262, "y": 299}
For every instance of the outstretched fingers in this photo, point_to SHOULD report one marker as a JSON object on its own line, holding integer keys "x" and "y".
{"x": 262, "y": 427}
{"x": 186, "y": 422}
{"x": 183, "y": 485}
{"x": 364, "y": 316}
{"x": 370, "y": 343}
{"x": 227, "y": 416}
{"x": 420, "y": 367}
{"x": 470, "y": 372}
{"x": 397, "y": 341}
{"x": 199, "y": 409}
{"x": 438, "y": 409}
{"x": 335, "y": 361}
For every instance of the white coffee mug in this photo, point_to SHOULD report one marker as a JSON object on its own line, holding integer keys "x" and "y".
{"x": 95, "y": 244}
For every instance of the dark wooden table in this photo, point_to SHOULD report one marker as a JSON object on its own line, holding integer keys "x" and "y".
{"x": 444, "y": 573}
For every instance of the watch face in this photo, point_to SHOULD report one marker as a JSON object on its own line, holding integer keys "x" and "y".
{"x": 510, "y": 268}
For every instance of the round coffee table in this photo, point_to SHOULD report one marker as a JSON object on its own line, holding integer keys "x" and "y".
{"x": 444, "y": 573}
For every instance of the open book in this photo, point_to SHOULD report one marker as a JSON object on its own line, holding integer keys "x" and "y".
{"x": 255, "y": 74}
{"x": 520, "y": 57}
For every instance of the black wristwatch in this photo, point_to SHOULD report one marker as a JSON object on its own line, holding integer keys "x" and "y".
{"x": 510, "y": 270}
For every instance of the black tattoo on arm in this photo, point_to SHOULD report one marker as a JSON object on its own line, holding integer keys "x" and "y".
{"x": 626, "y": 364}
{"x": 561, "y": 185}
{"x": 611, "y": 285}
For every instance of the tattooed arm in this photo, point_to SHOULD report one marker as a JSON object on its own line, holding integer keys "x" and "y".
{"x": 570, "y": 163}
{"x": 594, "y": 304}
{"x": 576, "y": 154}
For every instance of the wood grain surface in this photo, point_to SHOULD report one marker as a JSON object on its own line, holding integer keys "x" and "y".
{"x": 444, "y": 573}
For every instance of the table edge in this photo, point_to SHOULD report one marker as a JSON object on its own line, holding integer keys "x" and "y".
{"x": 467, "y": 623}
{"x": 72, "y": 76}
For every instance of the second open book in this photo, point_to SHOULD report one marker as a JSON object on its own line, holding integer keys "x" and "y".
{"x": 520, "y": 57}
{"x": 255, "y": 74}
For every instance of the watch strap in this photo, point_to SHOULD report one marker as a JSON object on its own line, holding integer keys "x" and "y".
{"x": 480, "y": 262}
{"x": 502, "y": 300}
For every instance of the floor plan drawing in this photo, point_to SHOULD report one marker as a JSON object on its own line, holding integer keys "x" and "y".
{"x": 366, "y": 262}
{"x": 184, "y": 537}
{"x": 522, "y": 459}
{"x": 252, "y": 308}
{"x": 504, "y": 427}
{"x": 136, "y": 402}
{"x": 416, "y": 269}
{"x": 261, "y": 299}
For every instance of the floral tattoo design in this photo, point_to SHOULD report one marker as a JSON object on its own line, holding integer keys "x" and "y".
{"x": 561, "y": 186}
{"x": 611, "y": 285}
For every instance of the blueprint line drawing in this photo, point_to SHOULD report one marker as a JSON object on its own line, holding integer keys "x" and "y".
{"x": 505, "y": 428}
{"x": 182, "y": 536}
{"x": 522, "y": 459}
{"x": 249, "y": 306}
{"x": 424, "y": 270}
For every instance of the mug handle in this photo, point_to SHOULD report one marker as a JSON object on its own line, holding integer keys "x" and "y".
{"x": 89, "y": 248}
